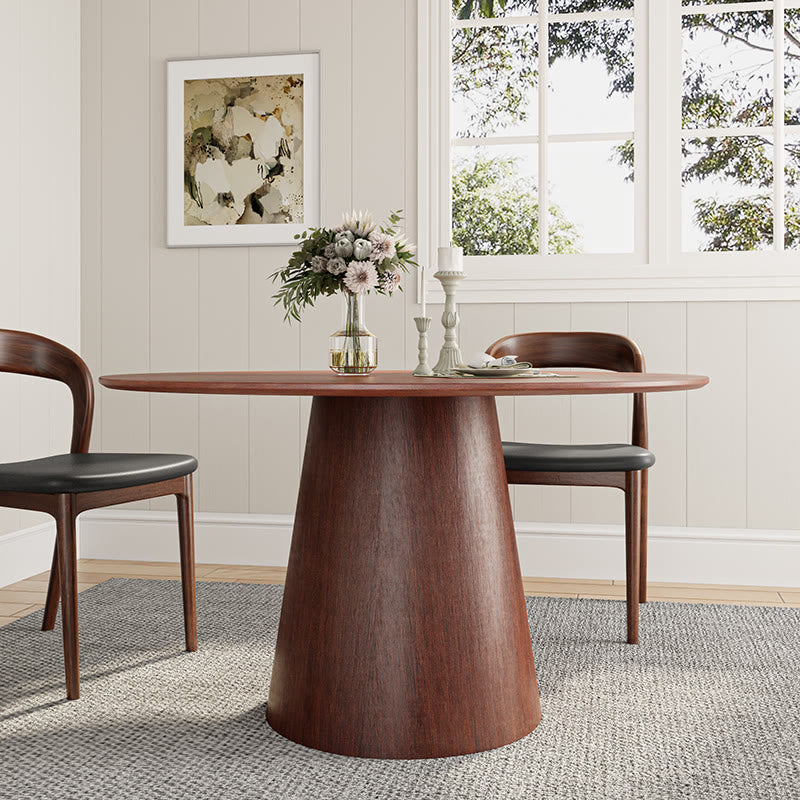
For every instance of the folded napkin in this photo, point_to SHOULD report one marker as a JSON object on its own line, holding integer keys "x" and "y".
{"x": 481, "y": 360}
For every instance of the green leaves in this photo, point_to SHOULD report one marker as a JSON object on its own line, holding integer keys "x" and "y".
{"x": 302, "y": 285}
{"x": 495, "y": 212}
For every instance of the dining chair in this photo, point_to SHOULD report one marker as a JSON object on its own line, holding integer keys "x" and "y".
{"x": 67, "y": 484}
{"x": 621, "y": 466}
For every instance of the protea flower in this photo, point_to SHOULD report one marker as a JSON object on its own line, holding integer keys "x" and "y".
{"x": 361, "y": 276}
{"x": 359, "y": 222}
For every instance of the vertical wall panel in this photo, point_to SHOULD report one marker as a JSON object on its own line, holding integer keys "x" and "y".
{"x": 599, "y": 418}
{"x": 173, "y": 272}
{"x": 542, "y": 419}
{"x": 125, "y": 294}
{"x": 773, "y": 424}
{"x": 274, "y": 454}
{"x": 91, "y": 208}
{"x": 660, "y": 331}
{"x": 716, "y": 440}
{"x": 223, "y": 306}
{"x": 11, "y": 241}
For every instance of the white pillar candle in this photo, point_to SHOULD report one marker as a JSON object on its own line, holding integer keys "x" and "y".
{"x": 451, "y": 259}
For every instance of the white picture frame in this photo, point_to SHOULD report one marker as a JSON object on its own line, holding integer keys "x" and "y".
{"x": 296, "y": 189}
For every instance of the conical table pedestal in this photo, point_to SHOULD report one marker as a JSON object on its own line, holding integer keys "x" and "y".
{"x": 403, "y": 632}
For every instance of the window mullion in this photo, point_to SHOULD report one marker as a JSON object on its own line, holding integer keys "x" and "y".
{"x": 778, "y": 155}
{"x": 543, "y": 66}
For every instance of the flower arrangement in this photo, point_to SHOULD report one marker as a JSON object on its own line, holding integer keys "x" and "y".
{"x": 355, "y": 257}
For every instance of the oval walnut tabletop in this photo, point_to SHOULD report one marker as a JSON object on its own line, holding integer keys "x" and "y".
{"x": 403, "y": 629}
{"x": 399, "y": 384}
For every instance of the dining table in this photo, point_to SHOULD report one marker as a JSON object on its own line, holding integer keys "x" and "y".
{"x": 403, "y": 630}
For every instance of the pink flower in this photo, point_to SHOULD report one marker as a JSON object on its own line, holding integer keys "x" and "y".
{"x": 383, "y": 246}
{"x": 361, "y": 276}
{"x": 390, "y": 280}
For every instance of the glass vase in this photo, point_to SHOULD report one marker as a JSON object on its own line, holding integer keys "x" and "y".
{"x": 353, "y": 350}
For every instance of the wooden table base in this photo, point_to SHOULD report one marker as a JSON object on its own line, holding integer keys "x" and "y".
{"x": 403, "y": 632}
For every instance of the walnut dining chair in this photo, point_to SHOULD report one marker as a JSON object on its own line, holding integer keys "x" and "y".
{"x": 67, "y": 484}
{"x": 621, "y": 466}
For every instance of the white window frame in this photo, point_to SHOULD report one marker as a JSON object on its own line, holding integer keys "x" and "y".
{"x": 657, "y": 270}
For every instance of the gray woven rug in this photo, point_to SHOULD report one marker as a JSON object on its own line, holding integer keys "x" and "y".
{"x": 707, "y": 707}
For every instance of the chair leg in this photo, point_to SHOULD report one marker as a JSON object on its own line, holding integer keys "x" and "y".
{"x": 68, "y": 573}
{"x": 186, "y": 540}
{"x": 643, "y": 540}
{"x": 633, "y": 486}
{"x": 53, "y": 591}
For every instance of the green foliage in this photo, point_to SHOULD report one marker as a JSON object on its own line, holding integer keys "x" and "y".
{"x": 495, "y": 68}
{"x": 495, "y": 212}
{"x": 302, "y": 284}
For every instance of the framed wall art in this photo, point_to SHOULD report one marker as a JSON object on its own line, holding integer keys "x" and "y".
{"x": 242, "y": 150}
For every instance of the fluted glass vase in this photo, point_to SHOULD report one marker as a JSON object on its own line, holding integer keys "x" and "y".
{"x": 353, "y": 350}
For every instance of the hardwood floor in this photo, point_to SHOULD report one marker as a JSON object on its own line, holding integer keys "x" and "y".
{"x": 26, "y": 597}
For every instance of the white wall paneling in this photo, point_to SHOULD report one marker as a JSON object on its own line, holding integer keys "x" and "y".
{"x": 724, "y": 453}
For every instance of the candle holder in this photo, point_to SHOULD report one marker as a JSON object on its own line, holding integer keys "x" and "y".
{"x": 450, "y": 354}
{"x": 423, "y": 323}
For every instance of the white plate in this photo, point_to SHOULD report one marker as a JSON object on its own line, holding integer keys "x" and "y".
{"x": 496, "y": 372}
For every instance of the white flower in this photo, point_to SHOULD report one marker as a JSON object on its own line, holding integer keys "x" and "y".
{"x": 343, "y": 248}
{"x": 361, "y": 249}
{"x": 336, "y": 266}
{"x": 404, "y": 244}
{"x": 382, "y": 246}
{"x": 319, "y": 263}
{"x": 330, "y": 250}
{"x": 359, "y": 222}
{"x": 361, "y": 276}
{"x": 389, "y": 281}
{"x": 343, "y": 234}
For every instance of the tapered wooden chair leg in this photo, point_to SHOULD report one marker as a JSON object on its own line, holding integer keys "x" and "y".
{"x": 53, "y": 590}
{"x": 186, "y": 538}
{"x": 643, "y": 539}
{"x": 68, "y": 572}
{"x": 633, "y": 486}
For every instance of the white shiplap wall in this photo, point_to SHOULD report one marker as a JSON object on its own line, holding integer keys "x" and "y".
{"x": 39, "y": 224}
{"x": 725, "y": 454}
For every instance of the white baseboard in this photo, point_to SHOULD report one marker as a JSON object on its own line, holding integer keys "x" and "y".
{"x": 557, "y": 550}
{"x": 26, "y": 552}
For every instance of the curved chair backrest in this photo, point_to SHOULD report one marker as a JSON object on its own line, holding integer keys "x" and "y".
{"x": 584, "y": 350}
{"x": 29, "y": 354}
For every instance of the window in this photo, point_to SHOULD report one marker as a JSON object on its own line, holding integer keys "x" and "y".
{"x": 613, "y": 149}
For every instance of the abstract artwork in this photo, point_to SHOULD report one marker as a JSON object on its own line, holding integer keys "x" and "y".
{"x": 243, "y": 145}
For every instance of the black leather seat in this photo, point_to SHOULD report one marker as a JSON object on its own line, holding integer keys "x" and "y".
{"x": 575, "y": 457}
{"x": 621, "y": 466}
{"x": 68, "y": 484}
{"x": 92, "y": 472}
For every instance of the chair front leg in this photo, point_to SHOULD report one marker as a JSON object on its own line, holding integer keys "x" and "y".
{"x": 53, "y": 590}
{"x": 186, "y": 541}
{"x": 643, "y": 539}
{"x": 633, "y": 487}
{"x": 68, "y": 574}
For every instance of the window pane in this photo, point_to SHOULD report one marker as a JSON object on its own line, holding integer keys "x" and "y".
{"x": 792, "y": 189}
{"x": 591, "y": 76}
{"x": 494, "y": 81}
{"x": 477, "y": 9}
{"x": 591, "y": 198}
{"x": 791, "y": 44}
{"x": 495, "y": 200}
{"x": 727, "y": 69}
{"x": 578, "y": 6}
{"x": 727, "y": 194}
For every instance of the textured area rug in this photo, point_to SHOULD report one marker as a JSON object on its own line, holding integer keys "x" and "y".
{"x": 707, "y": 707}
